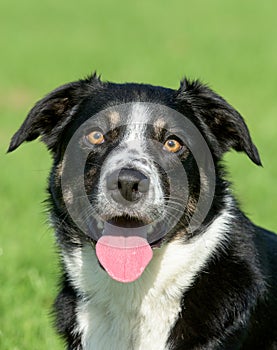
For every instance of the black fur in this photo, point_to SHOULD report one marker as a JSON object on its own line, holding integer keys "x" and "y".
{"x": 232, "y": 304}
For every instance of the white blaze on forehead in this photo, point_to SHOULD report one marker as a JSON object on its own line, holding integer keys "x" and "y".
{"x": 137, "y": 122}
{"x": 132, "y": 152}
{"x": 133, "y": 139}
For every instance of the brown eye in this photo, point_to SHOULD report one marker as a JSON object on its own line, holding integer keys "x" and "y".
{"x": 95, "y": 137}
{"x": 172, "y": 146}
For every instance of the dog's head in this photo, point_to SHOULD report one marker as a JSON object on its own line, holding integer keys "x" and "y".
{"x": 134, "y": 165}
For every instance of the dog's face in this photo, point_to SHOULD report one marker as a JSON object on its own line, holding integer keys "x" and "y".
{"x": 129, "y": 156}
{"x": 133, "y": 160}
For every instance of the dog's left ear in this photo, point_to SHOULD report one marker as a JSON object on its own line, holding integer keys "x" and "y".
{"x": 52, "y": 113}
{"x": 221, "y": 124}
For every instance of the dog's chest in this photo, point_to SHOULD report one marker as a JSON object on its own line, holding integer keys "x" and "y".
{"x": 124, "y": 316}
{"x": 127, "y": 322}
{"x": 138, "y": 315}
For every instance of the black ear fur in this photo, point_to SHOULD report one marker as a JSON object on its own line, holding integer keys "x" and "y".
{"x": 221, "y": 123}
{"x": 49, "y": 116}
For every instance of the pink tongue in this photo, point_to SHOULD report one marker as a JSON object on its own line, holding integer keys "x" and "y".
{"x": 124, "y": 258}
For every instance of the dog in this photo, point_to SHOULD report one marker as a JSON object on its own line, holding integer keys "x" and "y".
{"x": 155, "y": 252}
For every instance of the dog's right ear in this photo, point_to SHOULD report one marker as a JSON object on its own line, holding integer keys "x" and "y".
{"x": 51, "y": 114}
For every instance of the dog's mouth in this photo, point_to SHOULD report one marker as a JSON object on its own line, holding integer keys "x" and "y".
{"x": 126, "y": 222}
{"x": 125, "y": 225}
{"x": 125, "y": 247}
{"x": 152, "y": 229}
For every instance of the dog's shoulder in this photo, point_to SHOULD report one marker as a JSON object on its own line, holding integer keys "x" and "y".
{"x": 266, "y": 245}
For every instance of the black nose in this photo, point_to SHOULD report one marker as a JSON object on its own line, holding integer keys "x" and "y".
{"x": 131, "y": 184}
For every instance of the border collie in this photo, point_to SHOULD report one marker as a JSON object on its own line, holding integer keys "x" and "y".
{"x": 155, "y": 252}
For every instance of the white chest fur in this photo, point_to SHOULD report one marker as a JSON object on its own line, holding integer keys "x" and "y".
{"x": 138, "y": 315}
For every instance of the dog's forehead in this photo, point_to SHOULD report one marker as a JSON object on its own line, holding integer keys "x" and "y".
{"x": 135, "y": 119}
{"x": 135, "y": 115}
{"x": 129, "y": 114}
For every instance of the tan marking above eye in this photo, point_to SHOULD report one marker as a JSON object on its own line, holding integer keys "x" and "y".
{"x": 159, "y": 124}
{"x": 95, "y": 137}
{"x": 172, "y": 145}
{"x": 114, "y": 118}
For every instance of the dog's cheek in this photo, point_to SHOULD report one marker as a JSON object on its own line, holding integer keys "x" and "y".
{"x": 58, "y": 173}
{"x": 65, "y": 195}
{"x": 59, "y": 196}
{"x": 91, "y": 178}
{"x": 62, "y": 196}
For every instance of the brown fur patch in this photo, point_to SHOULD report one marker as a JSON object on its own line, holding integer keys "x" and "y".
{"x": 114, "y": 118}
{"x": 159, "y": 125}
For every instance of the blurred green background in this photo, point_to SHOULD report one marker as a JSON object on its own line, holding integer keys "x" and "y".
{"x": 232, "y": 45}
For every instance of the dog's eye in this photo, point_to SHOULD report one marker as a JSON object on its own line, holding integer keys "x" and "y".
{"x": 172, "y": 145}
{"x": 95, "y": 137}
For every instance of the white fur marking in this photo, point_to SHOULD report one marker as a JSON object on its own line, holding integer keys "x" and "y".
{"x": 137, "y": 123}
{"x": 134, "y": 139}
{"x": 139, "y": 315}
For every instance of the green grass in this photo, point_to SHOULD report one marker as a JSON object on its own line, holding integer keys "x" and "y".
{"x": 231, "y": 44}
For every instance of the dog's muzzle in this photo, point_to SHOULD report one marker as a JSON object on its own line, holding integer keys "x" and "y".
{"x": 124, "y": 251}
